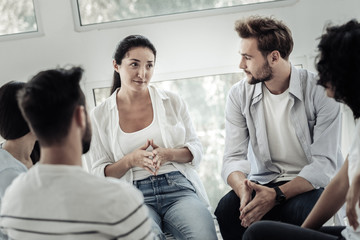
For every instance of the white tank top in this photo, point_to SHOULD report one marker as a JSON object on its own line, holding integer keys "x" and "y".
{"x": 132, "y": 141}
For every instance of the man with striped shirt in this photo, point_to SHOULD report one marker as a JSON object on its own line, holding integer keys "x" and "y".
{"x": 57, "y": 199}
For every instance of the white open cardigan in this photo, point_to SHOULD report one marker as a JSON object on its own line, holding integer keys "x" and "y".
{"x": 176, "y": 128}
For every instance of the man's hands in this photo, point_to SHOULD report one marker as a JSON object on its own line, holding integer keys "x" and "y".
{"x": 246, "y": 195}
{"x": 253, "y": 210}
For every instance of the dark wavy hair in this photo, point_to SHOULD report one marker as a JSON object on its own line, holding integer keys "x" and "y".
{"x": 48, "y": 102}
{"x": 271, "y": 34}
{"x": 123, "y": 47}
{"x": 12, "y": 123}
{"x": 338, "y": 63}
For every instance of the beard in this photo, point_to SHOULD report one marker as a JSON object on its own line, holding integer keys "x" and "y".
{"x": 264, "y": 74}
{"x": 86, "y": 139}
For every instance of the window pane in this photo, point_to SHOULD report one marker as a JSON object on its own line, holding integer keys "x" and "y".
{"x": 100, "y": 94}
{"x": 205, "y": 98}
{"x": 17, "y": 17}
{"x": 101, "y": 11}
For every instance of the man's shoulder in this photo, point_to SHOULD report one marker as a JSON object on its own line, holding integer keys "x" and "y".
{"x": 17, "y": 188}
{"x": 241, "y": 87}
{"x": 39, "y": 184}
{"x": 303, "y": 84}
{"x": 111, "y": 187}
{"x": 112, "y": 207}
{"x": 242, "y": 92}
{"x": 117, "y": 183}
{"x": 306, "y": 77}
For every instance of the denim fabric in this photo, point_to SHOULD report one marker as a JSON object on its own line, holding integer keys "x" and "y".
{"x": 293, "y": 211}
{"x": 175, "y": 207}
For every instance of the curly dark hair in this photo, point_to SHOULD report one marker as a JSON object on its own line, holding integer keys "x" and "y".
{"x": 12, "y": 123}
{"x": 338, "y": 63}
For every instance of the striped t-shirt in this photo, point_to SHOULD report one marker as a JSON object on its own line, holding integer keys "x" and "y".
{"x": 65, "y": 202}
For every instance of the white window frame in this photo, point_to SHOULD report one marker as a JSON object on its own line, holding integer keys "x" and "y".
{"x": 24, "y": 35}
{"x": 172, "y": 17}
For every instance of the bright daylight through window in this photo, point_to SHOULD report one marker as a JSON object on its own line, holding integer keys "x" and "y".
{"x": 205, "y": 98}
{"x": 104, "y": 11}
{"x": 17, "y": 17}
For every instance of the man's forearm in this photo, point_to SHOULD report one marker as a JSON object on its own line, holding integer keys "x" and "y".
{"x": 295, "y": 187}
{"x": 236, "y": 181}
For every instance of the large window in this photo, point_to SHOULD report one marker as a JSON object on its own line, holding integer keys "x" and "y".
{"x": 17, "y": 17}
{"x": 93, "y": 12}
{"x": 205, "y": 97}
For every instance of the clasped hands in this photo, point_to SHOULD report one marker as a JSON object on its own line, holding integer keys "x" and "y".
{"x": 252, "y": 210}
{"x": 150, "y": 160}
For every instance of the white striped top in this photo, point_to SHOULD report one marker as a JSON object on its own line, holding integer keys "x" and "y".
{"x": 65, "y": 202}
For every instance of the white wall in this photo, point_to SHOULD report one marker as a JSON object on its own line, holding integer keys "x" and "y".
{"x": 186, "y": 48}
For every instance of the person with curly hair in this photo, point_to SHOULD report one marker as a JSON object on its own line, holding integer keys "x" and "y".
{"x": 20, "y": 150}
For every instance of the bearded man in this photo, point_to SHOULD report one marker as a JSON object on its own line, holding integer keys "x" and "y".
{"x": 282, "y": 143}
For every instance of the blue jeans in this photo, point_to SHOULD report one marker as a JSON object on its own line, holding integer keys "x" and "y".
{"x": 175, "y": 207}
{"x": 293, "y": 211}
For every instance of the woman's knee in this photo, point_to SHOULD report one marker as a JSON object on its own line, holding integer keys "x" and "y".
{"x": 190, "y": 220}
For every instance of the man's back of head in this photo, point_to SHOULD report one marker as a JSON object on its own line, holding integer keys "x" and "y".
{"x": 57, "y": 199}
{"x": 48, "y": 102}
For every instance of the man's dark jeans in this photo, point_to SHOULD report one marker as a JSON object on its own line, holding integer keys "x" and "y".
{"x": 293, "y": 211}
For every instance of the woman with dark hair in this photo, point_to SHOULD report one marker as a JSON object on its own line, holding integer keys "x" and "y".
{"x": 17, "y": 153}
{"x": 145, "y": 136}
{"x": 338, "y": 65}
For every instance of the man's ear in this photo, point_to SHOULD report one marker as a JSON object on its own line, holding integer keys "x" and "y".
{"x": 274, "y": 57}
{"x": 115, "y": 65}
{"x": 80, "y": 116}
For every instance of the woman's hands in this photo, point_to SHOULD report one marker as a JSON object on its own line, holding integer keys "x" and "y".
{"x": 150, "y": 160}
{"x": 143, "y": 158}
{"x": 161, "y": 156}
{"x": 153, "y": 160}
